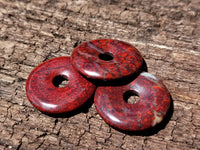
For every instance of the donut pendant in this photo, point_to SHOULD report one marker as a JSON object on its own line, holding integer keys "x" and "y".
{"x": 45, "y": 96}
{"x": 106, "y": 59}
{"x": 150, "y": 110}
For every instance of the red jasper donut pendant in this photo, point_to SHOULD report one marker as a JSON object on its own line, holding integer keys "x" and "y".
{"x": 106, "y": 59}
{"x": 150, "y": 110}
{"x": 48, "y": 98}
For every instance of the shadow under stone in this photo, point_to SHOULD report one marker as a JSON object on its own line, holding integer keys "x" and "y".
{"x": 119, "y": 82}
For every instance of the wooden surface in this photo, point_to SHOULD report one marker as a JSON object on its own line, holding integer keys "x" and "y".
{"x": 167, "y": 33}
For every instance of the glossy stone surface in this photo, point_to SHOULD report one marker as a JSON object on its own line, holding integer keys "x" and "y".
{"x": 48, "y": 98}
{"x": 152, "y": 107}
{"x": 106, "y": 59}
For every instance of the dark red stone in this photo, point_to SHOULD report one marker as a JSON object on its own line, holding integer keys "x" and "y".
{"x": 106, "y": 59}
{"x": 48, "y": 98}
{"x": 150, "y": 110}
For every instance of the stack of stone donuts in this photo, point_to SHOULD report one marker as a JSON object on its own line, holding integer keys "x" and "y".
{"x": 98, "y": 68}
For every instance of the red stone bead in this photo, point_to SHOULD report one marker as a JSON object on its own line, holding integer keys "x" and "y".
{"x": 150, "y": 110}
{"x": 106, "y": 59}
{"x": 45, "y": 96}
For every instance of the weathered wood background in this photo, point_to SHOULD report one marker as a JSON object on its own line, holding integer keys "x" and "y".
{"x": 166, "y": 32}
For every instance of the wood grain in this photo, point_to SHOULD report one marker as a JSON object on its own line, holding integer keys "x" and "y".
{"x": 167, "y": 33}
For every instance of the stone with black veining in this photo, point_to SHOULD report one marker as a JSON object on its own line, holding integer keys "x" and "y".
{"x": 150, "y": 110}
{"x": 106, "y": 59}
{"x": 48, "y": 98}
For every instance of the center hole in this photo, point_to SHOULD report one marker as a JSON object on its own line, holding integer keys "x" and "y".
{"x": 106, "y": 56}
{"x": 131, "y": 97}
{"x": 60, "y": 81}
